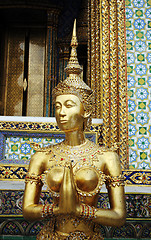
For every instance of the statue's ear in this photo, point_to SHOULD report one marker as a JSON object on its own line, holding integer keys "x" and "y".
{"x": 87, "y": 114}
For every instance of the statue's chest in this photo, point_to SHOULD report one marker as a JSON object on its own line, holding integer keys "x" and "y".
{"x": 86, "y": 173}
{"x": 88, "y": 180}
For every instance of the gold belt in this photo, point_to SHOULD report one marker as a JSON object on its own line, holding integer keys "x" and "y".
{"x": 78, "y": 235}
{"x": 48, "y": 233}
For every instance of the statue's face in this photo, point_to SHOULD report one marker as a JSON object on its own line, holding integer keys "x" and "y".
{"x": 69, "y": 112}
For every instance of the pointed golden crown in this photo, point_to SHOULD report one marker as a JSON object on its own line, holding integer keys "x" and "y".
{"x": 73, "y": 84}
{"x": 73, "y": 66}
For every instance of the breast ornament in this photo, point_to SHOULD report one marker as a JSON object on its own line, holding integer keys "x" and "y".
{"x": 83, "y": 159}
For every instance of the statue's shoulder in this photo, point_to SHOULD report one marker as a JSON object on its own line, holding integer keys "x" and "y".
{"x": 39, "y": 160}
{"x": 111, "y": 160}
{"x": 40, "y": 155}
{"x": 108, "y": 154}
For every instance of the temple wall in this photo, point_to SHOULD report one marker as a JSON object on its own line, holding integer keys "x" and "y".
{"x": 18, "y": 134}
{"x": 138, "y": 35}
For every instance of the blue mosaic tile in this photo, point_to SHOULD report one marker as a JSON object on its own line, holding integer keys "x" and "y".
{"x": 138, "y": 36}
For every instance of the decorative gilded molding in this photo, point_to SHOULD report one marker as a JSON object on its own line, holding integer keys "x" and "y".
{"x": 28, "y": 126}
{"x": 132, "y": 177}
{"x": 138, "y": 177}
{"x": 38, "y": 126}
{"x": 13, "y": 172}
{"x": 114, "y": 78}
{"x": 94, "y": 54}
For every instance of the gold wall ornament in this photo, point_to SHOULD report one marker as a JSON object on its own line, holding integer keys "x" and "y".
{"x": 94, "y": 54}
{"x": 13, "y": 172}
{"x": 115, "y": 127}
{"x": 28, "y": 126}
{"x": 107, "y": 71}
{"x": 122, "y": 75}
{"x": 25, "y": 84}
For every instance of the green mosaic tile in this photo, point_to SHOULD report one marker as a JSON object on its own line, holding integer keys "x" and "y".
{"x": 131, "y": 142}
{"x": 128, "y": 2}
{"x": 128, "y": 24}
{"x": 130, "y": 69}
{"x": 148, "y": 2}
{"x": 132, "y": 166}
{"x": 14, "y": 148}
{"x": 131, "y": 93}
{"x": 26, "y": 139}
{"x": 139, "y": 13}
{"x": 129, "y": 46}
{"x": 142, "y": 130}
{"x": 141, "y": 105}
{"x": 140, "y": 57}
{"x": 149, "y": 24}
{"x": 149, "y": 46}
{"x": 143, "y": 155}
{"x": 49, "y": 139}
{"x": 24, "y": 158}
{"x": 141, "y": 81}
{"x": 139, "y": 35}
{"x": 131, "y": 117}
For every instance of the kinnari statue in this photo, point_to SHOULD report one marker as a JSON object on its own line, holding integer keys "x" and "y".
{"x": 75, "y": 169}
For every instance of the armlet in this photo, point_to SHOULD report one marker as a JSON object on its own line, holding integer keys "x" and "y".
{"x": 115, "y": 181}
{"x": 33, "y": 178}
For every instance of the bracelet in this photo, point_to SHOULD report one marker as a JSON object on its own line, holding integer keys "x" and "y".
{"x": 88, "y": 212}
{"x": 33, "y": 178}
{"x": 47, "y": 210}
{"x": 115, "y": 181}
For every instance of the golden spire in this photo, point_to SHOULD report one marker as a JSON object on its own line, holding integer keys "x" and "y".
{"x": 73, "y": 66}
{"x": 74, "y": 41}
{"x": 73, "y": 84}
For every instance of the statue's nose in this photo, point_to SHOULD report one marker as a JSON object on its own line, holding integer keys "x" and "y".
{"x": 62, "y": 111}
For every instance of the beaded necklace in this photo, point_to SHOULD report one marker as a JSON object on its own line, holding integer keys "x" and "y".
{"x": 80, "y": 157}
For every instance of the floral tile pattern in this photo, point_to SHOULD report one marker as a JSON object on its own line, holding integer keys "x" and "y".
{"x": 19, "y": 149}
{"x": 16, "y": 148}
{"x": 138, "y": 38}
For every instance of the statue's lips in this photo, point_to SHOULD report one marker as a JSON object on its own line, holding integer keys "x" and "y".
{"x": 63, "y": 121}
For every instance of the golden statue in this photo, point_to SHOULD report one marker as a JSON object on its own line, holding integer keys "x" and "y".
{"x": 75, "y": 169}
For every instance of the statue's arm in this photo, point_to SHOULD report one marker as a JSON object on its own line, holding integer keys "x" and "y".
{"x": 116, "y": 215}
{"x": 32, "y": 210}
